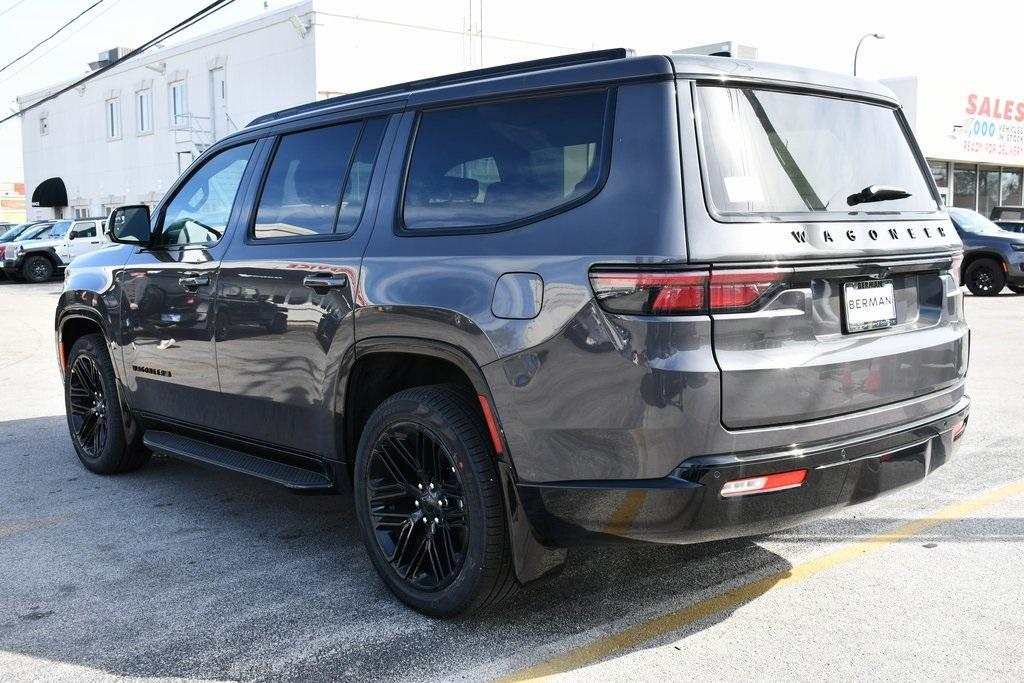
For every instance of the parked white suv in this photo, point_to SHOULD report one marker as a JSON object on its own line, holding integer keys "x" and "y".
{"x": 38, "y": 260}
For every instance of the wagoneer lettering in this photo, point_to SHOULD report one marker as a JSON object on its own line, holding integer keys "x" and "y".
{"x": 493, "y": 308}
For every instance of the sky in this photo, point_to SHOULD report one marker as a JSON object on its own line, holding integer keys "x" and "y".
{"x": 966, "y": 42}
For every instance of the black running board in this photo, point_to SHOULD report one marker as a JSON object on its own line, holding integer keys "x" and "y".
{"x": 201, "y": 452}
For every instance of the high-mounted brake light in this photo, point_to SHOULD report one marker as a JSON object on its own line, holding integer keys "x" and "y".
{"x": 691, "y": 292}
{"x": 769, "y": 482}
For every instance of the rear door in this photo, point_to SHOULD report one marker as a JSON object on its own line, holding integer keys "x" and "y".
{"x": 284, "y": 309}
{"x": 832, "y": 277}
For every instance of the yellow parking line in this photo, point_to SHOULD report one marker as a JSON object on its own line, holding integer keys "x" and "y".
{"x": 641, "y": 633}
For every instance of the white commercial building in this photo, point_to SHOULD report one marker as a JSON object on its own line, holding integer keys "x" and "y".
{"x": 123, "y": 137}
{"x": 972, "y": 135}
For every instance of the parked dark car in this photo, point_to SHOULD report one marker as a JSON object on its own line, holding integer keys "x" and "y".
{"x": 993, "y": 257}
{"x": 1010, "y": 218}
{"x": 21, "y": 233}
{"x": 514, "y": 310}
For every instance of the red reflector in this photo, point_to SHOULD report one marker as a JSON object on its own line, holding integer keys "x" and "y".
{"x": 958, "y": 431}
{"x": 741, "y": 289}
{"x": 492, "y": 425}
{"x": 769, "y": 482}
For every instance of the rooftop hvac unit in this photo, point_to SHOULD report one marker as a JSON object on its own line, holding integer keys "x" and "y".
{"x": 109, "y": 56}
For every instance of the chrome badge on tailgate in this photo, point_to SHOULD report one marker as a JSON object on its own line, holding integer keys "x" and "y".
{"x": 868, "y": 305}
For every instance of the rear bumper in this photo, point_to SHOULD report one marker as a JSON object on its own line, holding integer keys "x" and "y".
{"x": 687, "y": 506}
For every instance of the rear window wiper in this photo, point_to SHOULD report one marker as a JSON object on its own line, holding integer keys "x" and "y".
{"x": 876, "y": 193}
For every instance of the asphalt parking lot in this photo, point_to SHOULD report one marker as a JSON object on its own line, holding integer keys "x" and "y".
{"x": 176, "y": 572}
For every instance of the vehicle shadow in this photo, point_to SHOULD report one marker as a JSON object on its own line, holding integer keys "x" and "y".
{"x": 178, "y": 571}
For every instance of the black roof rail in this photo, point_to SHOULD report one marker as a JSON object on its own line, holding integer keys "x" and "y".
{"x": 573, "y": 59}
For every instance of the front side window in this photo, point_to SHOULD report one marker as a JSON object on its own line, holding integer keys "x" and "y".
{"x": 198, "y": 212}
{"x": 780, "y": 154}
{"x": 113, "y": 119}
{"x": 179, "y": 104}
{"x": 496, "y": 163}
{"x": 144, "y": 111}
{"x": 318, "y": 180}
{"x": 84, "y": 230}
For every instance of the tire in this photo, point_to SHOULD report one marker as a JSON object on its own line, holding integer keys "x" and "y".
{"x": 279, "y": 325}
{"x": 37, "y": 268}
{"x": 107, "y": 448}
{"x": 450, "y": 500}
{"x": 1016, "y": 289}
{"x": 985, "y": 277}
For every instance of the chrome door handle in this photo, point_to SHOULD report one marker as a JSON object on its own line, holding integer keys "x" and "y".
{"x": 193, "y": 281}
{"x": 321, "y": 283}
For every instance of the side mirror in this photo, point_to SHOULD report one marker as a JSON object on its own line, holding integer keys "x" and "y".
{"x": 71, "y": 235}
{"x": 129, "y": 225}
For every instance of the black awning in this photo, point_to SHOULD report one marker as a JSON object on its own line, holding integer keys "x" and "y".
{"x": 50, "y": 192}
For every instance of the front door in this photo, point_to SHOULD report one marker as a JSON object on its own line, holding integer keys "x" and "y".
{"x": 284, "y": 308}
{"x": 168, "y": 292}
{"x": 83, "y": 238}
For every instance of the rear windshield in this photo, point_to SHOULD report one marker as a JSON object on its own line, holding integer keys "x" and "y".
{"x": 781, "y": 154}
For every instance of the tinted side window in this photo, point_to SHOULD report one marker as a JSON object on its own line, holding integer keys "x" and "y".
{"x": 199, "y": 212}
{"x": 358, "y": 182}
{"x": 494, "y": 163}
{"x": 303, "y": 188}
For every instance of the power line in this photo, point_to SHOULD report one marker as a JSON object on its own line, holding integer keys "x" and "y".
{"x": 63, "y": 39}
{"x": 174, "y": 30}
{"x": 40, "y": 43}
{"x": 11, "y": 7}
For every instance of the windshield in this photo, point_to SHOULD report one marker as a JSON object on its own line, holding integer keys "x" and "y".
{"x": 12, "y": 232}
{"x": 59, "y": 228}
{"x": 775, "y": 154}
{"x": 33, "y": 233}
{"x": 974, "y": 222}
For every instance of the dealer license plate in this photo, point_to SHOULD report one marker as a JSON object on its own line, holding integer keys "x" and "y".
{"x": 868, "y": 305}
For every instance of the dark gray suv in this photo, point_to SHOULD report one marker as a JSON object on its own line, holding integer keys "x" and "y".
{"x": 592, "y": 298}
{"x": 993, "y": 256}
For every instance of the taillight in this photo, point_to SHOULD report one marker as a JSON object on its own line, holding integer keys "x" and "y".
{"x": 734, "y": 290}
{"x": 689, "y": 292}
{"x": 651, "y": 292}
{"x": 3, "y": 248}
{"x": 954, "y": 268}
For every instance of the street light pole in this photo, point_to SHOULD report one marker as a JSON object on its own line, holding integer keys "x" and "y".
{"x": 856, "y": 52}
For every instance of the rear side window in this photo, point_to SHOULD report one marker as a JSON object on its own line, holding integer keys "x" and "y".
{"x": 318, "y": 181}
{"x": 493, "y": 164}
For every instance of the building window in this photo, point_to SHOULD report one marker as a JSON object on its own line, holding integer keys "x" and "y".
{"x": 81, "y": 212}
{"x": 179, "y": 105}
{"x": 144, "y": 111}
{"x": 965, "y": 186}
{"x": 44, "y": 124}
{"x": 1010, "y": 187}
{"x": 113, "y": 119}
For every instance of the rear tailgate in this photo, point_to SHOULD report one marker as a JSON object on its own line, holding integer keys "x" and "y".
{"x": 828, "y": 198}
{"x": 790, "y": 360}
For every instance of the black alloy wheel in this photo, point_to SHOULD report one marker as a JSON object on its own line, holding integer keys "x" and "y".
{"x": 87, "y": 407}
{"x": 37, "y": 269}
{"x": 106, "y": 437}
{"x": 429, "y": 502}
{"x": 417, "y": 506}
{"x": 985, "y": 277}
